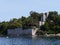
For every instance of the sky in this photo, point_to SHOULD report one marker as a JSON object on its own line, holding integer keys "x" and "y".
{"x": 10, "y": 9}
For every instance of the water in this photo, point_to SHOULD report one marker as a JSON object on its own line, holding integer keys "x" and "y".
{"x": 30, "y": 41}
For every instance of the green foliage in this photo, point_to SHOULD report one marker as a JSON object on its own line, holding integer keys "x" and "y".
{"x": 51, "y": 32}
{"x": 40, "y": 32}
{"x": 36, "y": 17}
{"x": 52, "y": 24}
{"x": 3, "y": 27}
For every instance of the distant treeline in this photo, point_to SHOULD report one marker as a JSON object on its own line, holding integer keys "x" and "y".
{"x": 52, "y": 24}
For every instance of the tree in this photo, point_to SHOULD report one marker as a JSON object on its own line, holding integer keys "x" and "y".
{"x": 3, "y": 28}
{"x": 51, "y": 14}
{"x": 36, "y": 17}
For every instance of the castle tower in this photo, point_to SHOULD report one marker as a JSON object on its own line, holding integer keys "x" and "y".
{"x": 43, "y": 19}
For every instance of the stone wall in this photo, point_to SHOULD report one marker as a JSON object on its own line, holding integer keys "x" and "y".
{"x": 20, "y": 31}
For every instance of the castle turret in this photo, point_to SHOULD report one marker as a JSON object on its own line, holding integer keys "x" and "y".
{"x": 43, "y": 19}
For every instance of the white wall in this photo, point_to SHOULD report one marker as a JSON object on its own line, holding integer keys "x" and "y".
{"x": 34, "y": 31}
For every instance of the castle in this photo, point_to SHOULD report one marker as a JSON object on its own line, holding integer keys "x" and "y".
{"x": 20, "y": 31}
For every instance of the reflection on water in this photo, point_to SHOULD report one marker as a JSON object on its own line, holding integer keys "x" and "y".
{"x": 30, "y": 41}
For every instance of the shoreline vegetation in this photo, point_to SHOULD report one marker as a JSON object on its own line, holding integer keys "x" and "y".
{"x": 50, "y": 28}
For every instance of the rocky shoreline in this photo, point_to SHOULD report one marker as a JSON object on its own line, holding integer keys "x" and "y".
{"x": 53, "y": 34}
{"x": 46, "y": 35}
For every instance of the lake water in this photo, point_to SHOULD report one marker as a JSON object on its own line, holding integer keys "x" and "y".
{"x": 30, "y": 41}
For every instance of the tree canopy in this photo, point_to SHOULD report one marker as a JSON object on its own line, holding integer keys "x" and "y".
{"x": 52, "y": 24}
